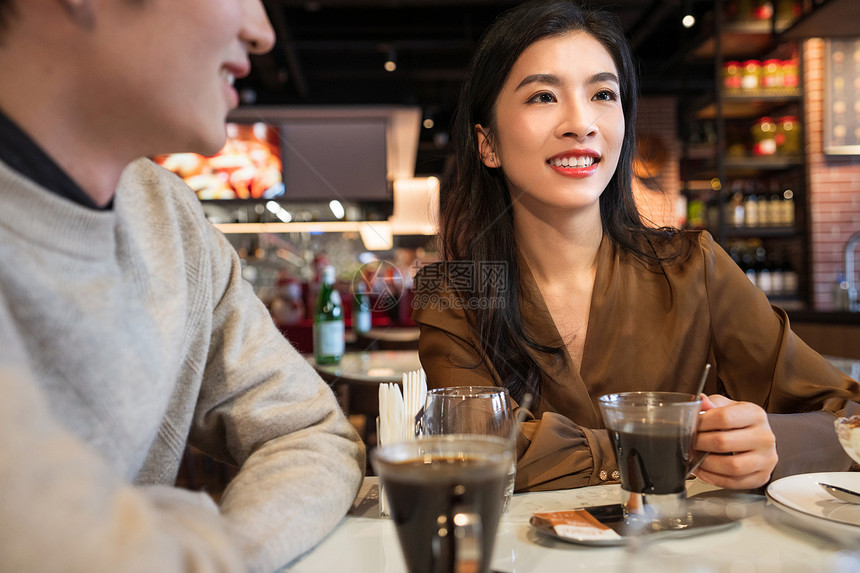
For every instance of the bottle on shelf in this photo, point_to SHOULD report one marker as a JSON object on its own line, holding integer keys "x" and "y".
{"x": 789, "y": 276}
{"x": 777, "y": 275}
{"x": 735, "y": 213}
{"x": 328, "y": 328}
{"x": 751, "y": 75}
{"x": 771, "y": 77}
{"x": 361, "y": 308}
{"x": 762, "y": 10}
{"x": 841, "y": 295}
{"x": 749, "y": 266}
{"x": 773, "y": 212}
{"x": 751, "y": 206}
{"x": 787, "y": 216}
{"x": 764, "y": 137}
{"x": 732, "y": 77}
{"x": 762, "y": 268}
{"x": 787, "y": 138}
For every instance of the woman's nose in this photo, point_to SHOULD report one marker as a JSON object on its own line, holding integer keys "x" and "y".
{"x": 257, "y": 32}
{"x": 577, "y": 122}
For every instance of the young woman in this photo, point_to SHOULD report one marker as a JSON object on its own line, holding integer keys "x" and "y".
{"x": 553, "y": 284}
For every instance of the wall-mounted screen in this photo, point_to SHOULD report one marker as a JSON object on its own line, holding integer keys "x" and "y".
{"x": 247, "y": 167}
{"x": 334, "y": 158}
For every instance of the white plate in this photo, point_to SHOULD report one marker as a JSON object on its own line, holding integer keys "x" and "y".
{"x": 801, "y": 495}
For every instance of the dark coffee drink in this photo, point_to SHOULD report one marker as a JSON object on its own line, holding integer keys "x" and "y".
{"x": 432, "y": 496}
{"x": 653, "y": 458}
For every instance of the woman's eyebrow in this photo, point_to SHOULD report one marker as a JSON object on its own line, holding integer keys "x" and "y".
{"x": 555, "y": 81}
{"x": 549, "y": 79}
{"x": 603, "y": 77}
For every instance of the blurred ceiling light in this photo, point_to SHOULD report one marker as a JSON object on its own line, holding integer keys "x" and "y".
{"x": 261, "y": 130}
{"x": 688, "y": 21}
{"x": 376, "y": 235}
{"x": 416, "y": 205}
{"x": 279, "y": 212}
{"x": 429, "y": 123}
{"x": 391, "y": 63}
{"x": 336, "y": 209}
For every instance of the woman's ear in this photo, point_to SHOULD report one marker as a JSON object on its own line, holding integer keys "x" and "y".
{"x": 485, "y": 148}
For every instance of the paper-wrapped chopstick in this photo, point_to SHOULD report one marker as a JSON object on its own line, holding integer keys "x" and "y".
{"x": 400, "y": 412}
{"x": 391, "y": 414}
{"x": 414, "y": 393}
{"x": 390, "y": 426}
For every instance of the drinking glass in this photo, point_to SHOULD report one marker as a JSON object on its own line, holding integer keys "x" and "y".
{"x": 652, "y": 434}
{"x": 445, "y": 497}
{"x": 484, "y": 410}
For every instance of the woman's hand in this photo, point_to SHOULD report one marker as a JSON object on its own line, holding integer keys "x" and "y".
{"x": 741, "y": 445}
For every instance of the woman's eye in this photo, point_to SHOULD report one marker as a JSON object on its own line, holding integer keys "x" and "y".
{"x": 543, "y": 97}
{"x": 606, "y": 95}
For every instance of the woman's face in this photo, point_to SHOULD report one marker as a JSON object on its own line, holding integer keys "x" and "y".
{"x": 559, "y": 124}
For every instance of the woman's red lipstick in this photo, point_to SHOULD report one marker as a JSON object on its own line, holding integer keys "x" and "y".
{"x": 575, "y": 163}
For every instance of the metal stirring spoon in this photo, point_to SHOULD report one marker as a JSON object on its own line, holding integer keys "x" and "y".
{"x": 841, "y": 493}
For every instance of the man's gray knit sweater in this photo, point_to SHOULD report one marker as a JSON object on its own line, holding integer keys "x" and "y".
{"x": 123, "y": 334}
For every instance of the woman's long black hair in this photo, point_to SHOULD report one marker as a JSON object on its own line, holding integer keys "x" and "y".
{"x": 476, "y": 220}
{"x": 7, "y": 11}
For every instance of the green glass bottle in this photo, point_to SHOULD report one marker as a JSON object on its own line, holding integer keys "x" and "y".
{"x": 328, "y": 321}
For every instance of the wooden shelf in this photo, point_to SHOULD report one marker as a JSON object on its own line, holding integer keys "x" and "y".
{"x": 750, "y": 105}
{"x": 737, "y": 165}
{"x": 834, "y": 18}
{"x": 763, "y": 232}
{"x": 702, "y": 163}
{"x": 739, "y": 40}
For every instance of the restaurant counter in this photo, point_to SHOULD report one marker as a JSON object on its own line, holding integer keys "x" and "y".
{"x": 823, "y": 317}
{"x": 829, "y": 333}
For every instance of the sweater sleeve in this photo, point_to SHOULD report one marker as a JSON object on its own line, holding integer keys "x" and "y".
{"x": 758, "y": 358}
{"x": 263, "y": 407}
{"x": 63, "y": 507}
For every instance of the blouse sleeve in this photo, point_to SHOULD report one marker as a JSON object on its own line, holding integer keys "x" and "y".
{"x": 552, "y": 452}
{"x": 760, "y": 359}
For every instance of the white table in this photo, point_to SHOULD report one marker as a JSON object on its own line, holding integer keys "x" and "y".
{"x": 369, "y": 367}
{"x": 767, "y": 541}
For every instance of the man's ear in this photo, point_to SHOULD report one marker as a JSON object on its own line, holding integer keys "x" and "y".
{"x": 486, "y": 149}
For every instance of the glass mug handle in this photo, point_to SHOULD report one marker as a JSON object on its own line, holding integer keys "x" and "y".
{"x": 695, "y": 461}
{"x": 466, "y": 530}
{"x": 697, "y": 457}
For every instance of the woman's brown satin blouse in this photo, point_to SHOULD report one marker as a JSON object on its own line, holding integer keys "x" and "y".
{"x": 650, "y": 327}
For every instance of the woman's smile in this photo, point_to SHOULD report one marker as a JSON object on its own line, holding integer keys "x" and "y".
{"x": 575, "y": 163}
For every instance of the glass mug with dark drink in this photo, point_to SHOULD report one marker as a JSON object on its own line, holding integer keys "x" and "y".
{"x": 652, "y": 434}
{"x": 445, "y": 496}
{"x": 485, "y": 410}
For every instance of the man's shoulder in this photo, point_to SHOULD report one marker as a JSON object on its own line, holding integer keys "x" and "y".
{"x": 149, "y": 189}
{"x": 144, "y": 174}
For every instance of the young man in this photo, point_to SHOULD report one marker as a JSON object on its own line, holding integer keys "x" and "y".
{"x": 126, "y": 328}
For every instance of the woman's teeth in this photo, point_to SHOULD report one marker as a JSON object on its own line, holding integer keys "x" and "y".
{"x": 228, "y": 77}
{"x": 581, "y": 161}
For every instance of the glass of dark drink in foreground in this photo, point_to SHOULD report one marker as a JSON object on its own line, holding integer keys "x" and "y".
{"x": 445, "y": 494}
{"x": 652, "y": 434}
